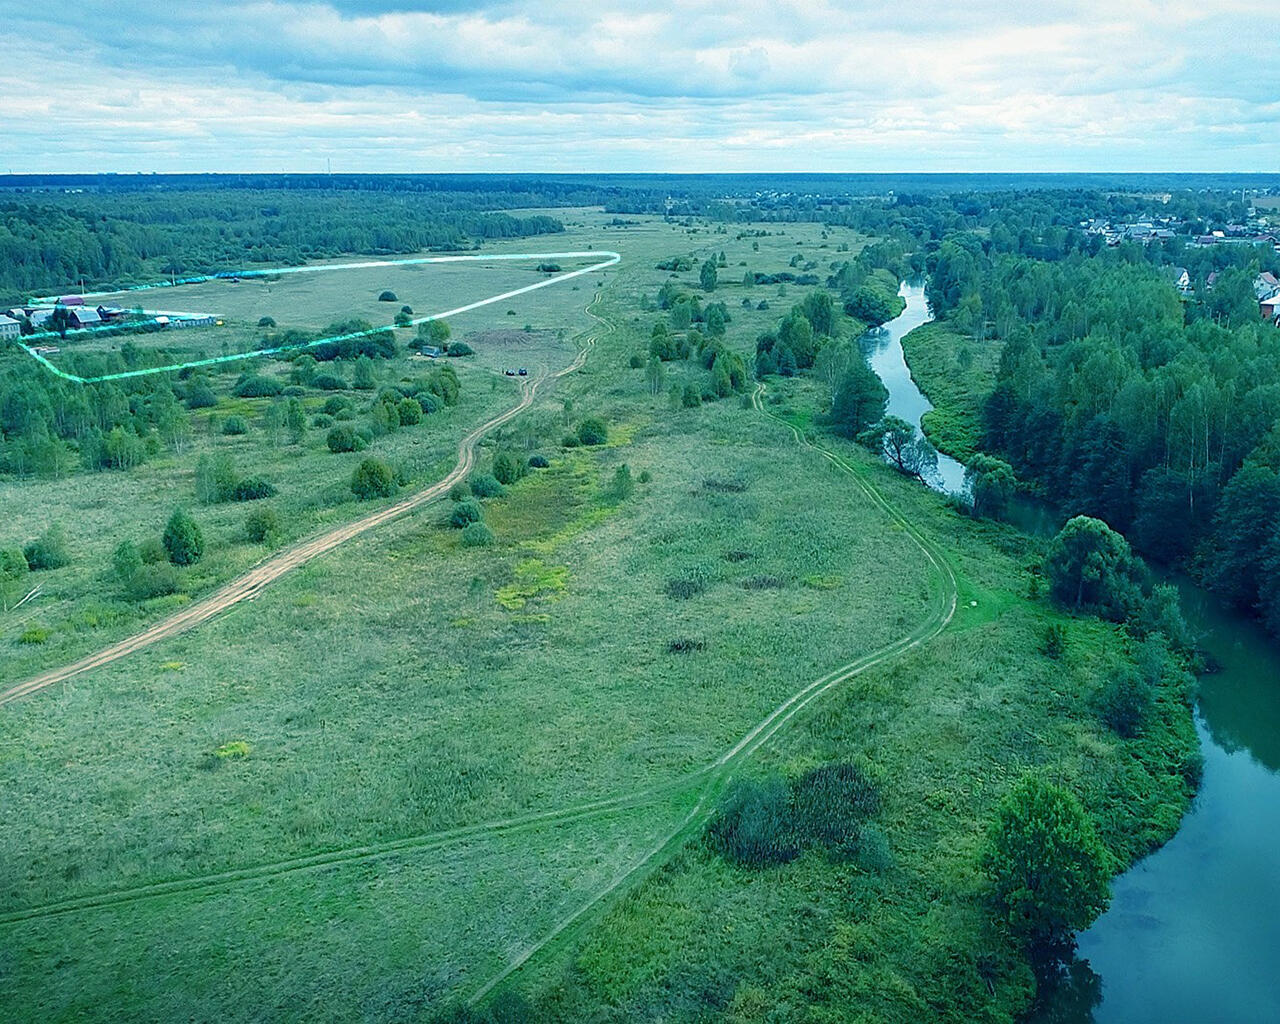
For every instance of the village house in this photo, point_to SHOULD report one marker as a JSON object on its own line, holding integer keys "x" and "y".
{"x": 9, "y": 328}
{"x": 1181, "y": 279}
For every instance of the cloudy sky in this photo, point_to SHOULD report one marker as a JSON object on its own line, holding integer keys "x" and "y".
{"x": 732, "y": 85}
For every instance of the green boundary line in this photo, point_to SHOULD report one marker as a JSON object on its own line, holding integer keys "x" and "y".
{"x": 611, "y": 258}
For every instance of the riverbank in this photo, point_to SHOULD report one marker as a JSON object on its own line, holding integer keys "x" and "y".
{"x": 905, "y": 932}
{"x": 956, "y": 373}
{"x": 1192, "y": 926}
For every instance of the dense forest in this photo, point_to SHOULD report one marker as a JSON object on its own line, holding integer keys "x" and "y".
{"x": 1120, "y": 399}
{"x": 54, "y": 241}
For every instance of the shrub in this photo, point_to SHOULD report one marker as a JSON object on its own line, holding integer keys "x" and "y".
{"x": 636, "y": 362}
{"x": 592, "y": 431}
{"x": 484, "y": 485}
{"x": 329, "y": 382}
{"x": 48, "y": 551}
{"x": 372, "y": 479}
{"x": 253, "y": 489}
{"x": 570, "y": 441}
{"x": 35, "y": 635}
{"x": 343, "y": 438}
{"x": 830, "y": 803}
{"x": 256, "y": 386}
{"x": 334, "y": 404}
{"x": 466, "y": 512}
{"x": 362, "y": 378}
{"x": 459, "y": 491}
{"x": 126, "y": 561}
{"x": 388, "y": 296}
{"x": 182, "y": 539}
{"x": 152, "y": 551}
{"x": 322, "y": 421}
{"x": 459, "y": 348}
{"x": 538, "y": 462}
{"x": 621, "y": 487}
{"x": 476, "y": 535}
{"x": 507, "y": 468}
{"x": 152, "y": 580}
{"x": 410, "y": 412}
{"x": 1055, "y": 641}
{"x": 266, "y": 321}
{"x": 13, "y": 565}
{"x": 200, "y": 395}
{"x": 692, "y": 583}
{"x": 1124, "y": 703}
{"x": 234, "y": 426}
{"x": 763, "y": 583}
{"x": 684, "y": 645}
{"x": 753, "y": 824}
{"x": 262, "y": 524}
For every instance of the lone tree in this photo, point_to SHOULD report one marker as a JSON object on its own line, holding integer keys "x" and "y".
{"x": 1048, "y": 868}
{"x": 898, "y": 442}
{"x": 707, "y": 275}
{"x": 858, "y": 399}
{"x": 1090, "y": 566}
{"x": 182, "y": 539}
{"x": 991, "y": 485}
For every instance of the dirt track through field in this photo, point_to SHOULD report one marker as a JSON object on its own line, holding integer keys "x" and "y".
{"x": 703, "y": 784}
{"x": 248, "y": 586}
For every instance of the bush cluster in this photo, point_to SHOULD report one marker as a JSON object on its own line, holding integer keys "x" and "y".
{"x": 769, "y": 821}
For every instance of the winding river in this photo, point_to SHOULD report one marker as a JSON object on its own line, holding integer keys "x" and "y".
{"x": 1193, "y": 932}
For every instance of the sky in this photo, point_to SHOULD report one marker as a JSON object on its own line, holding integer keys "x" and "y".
{"x": 731, "y": 85}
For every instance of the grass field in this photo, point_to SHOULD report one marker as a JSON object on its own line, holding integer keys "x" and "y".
{"x": 313, "y": 300}
{"x": 323, "y": 805}
{"x": 956, "y": 374}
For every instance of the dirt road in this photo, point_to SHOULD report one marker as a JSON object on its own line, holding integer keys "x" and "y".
{"x": 249, "y": 585}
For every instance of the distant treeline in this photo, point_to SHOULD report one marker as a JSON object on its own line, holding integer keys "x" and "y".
{"x": 52, "y": 242}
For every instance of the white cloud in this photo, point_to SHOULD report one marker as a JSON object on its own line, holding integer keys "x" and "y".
{"x": 755, "y": 85}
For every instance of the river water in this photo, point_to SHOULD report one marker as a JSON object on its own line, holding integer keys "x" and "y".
{"x": 1193, "y": 931}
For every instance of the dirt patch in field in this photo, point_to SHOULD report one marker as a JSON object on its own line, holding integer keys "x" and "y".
{"x": 502, "y": 338}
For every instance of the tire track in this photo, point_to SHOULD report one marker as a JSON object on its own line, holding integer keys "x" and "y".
{"x": 247, "y": 586}
{"x": 721, "y": 769}
{"x": 717, "y": 774}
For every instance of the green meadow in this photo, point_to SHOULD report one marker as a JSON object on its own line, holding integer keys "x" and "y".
{"x": 415, "y": 772}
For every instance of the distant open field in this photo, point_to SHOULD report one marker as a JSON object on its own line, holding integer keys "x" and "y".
{"x": 252, "y": 308}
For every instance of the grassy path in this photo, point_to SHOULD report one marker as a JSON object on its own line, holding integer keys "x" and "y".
{"x": 699, "y": 789}
{"x": 247, "y": 586}
{"x": 720, "y": 771}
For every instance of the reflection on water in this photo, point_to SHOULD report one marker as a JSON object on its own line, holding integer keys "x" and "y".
{"x": 1193, "y": 932}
